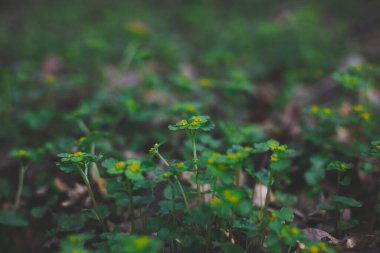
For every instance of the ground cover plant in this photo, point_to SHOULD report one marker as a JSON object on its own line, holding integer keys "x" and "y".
{"x": 197, "y": 126}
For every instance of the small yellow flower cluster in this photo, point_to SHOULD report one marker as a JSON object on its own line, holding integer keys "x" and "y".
{"x": 196, "y": 121}
{"x": 275, "y": 147}
{"x": 231, "y": 197}
{"x": 361, "y": 112}
{"x": 320, "y": 247}
{"x": 189, "y": 108}
{"x": 325, "y": 111}
{"x": 211, "y": 161}
{"x": 180, "y": 165}
{"x": 50, "y": 79}
{"x": 119, "y": 165}
{"x": 289, "y": 231}
{"x": 82, "y": 139}
{"x": 215, "y": 202}
{"x": 21, "y": 152}
{"x": 343, "y": 166}
{"x": 182, "y": 123}
{"x": 76, "y": 154}
{"x": 141, "y": 242}
{"x": 154, "y": 149}
{"x": 138, "y": 28}
{"x": 351, "y": 81}
{"x": 134, "y": 167}
{"x": 206, "y": 82}
{"x": 166, "y": 175}
{"x": 274, "y": 158}
{"x": 272, "y": 216}
{"x": 232, "y": 156}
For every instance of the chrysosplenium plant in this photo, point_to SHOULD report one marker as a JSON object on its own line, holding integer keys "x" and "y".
{"x": 210, "y": 211}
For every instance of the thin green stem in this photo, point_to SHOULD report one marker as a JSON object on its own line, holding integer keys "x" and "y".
{"x": 131, "y": 204}
{"x": 20, "y": 185}
{"x": 213, "y": 187}
{"x": 265, "y": 209}
{"x": 267, "y": 196}
{"x": 82, "y": 126}
{"x": 174, "y": 215}
{"x": 238, "y": 178}
{"x": 195, "y": 160}
{"x": 176, "y": 178}
{"x": 92, "y": 197}
{"x": 182, "y": 192}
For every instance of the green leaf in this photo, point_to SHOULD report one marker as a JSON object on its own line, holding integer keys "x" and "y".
{"x": 39, "y": 212}
{"x": 244, "y": 207}
{"x": 326, "y": 206}
{"x": 346, "y": 224}
{"x": 345, "y": 181}
{"x": 263, "y": 176}
{"x": 260, "y": 148}
{"x": 13, "y": 218}
{"x": 346, "y": 201}
{"x": 286, "y": 214}
{"x": 286, "y": 199}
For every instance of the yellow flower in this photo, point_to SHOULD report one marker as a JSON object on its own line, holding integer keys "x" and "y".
{"x": 180, "y": 165}
{"x": 273, "y": 147}
{"x": 378, "y": 146}
{"x": 195, "y": 121}
{"x": 119, "y": 165}
{"x": 221, "y": 166}
{"x": 230, "y": 196}
{"x": 50, "y": 79}
{"x": 215, "y": 202}
{"x": 322, "y": 245}
{"x": 327, "y": 111}
{"x": 189, "y": 108}
{"x": 21, "y": 152}
{"x": 211, "y": 160}
{"x": 76, "y": 154}
{"x": 274, "y": 158}
{"x": 272, "y": 216}
{"x": 138, "y": 28}
{"x": 247, "y": 149}
{"x": 134, "y": 167}
{"x": 281, "y": 148}
{"x": 343, "y": 166}
{"x": 294, "y": 231}
{"x": 357, "y": 108}
{"x": 82, "y": 139}
{"x": 141, "y": 242}
{"x": 365, "y": 116}
{"x": 182, "y": 122}
{"x": 206, "y": 82}
{"x": 315, "y": 109}
{"x": 231, "y": 156}
{"x": 314, "y": 249}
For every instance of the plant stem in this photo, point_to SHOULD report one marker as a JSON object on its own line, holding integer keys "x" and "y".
{"x": 92, "y": 197}
{"x": 83, "y": 127}
{"x": 20, "y": 185}
{"x": 267, "y": 196}
{"x": 131, "y": 205}
{"x": 213, "y": 187}
{"x": 176, "y": 178}
{"x": 174, "y": 215}
{"x": 195, "y": 160}
{"x": 237, "y": 178}
{"x": 182, "y": 192}
{"x": 265, "y": 209}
